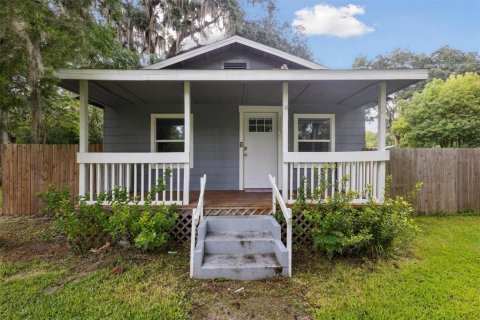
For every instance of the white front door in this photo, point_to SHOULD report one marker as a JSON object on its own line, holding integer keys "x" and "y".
{"x": 260, "y": 150}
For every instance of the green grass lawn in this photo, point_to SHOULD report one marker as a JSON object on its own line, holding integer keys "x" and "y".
{"x": 439, "y": 278}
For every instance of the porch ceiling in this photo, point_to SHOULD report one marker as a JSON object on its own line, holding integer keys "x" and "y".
{"x": 344, "y": 93}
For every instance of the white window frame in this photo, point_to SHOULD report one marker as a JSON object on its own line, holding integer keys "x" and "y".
{"x": 153, "y": 130}
{"x": 298, "y": 116}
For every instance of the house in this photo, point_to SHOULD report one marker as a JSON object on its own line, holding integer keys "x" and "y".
{"x": 244, "y": 115}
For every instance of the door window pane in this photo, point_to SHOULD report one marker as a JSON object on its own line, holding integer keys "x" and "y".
{"x": 260, "y": 125}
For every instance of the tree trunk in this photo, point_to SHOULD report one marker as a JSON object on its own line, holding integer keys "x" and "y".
{"x": 3, "y": 126}
{"x": 34, "y": 78}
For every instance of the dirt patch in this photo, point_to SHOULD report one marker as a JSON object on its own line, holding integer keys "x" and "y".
{"x": 22, "y": 239}
{"x": 278, "y": 298}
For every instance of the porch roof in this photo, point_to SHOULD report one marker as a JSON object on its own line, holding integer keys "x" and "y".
{"x": 350, "y": 88}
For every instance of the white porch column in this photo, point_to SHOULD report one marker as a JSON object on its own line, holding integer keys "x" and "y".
{"x": 381, "y": 138}
{"x": 186, "y": 167}
{"x": 83, "y": 141}
{"x": 284, "y": 140}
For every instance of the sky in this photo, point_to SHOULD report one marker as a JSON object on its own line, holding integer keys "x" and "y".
{"x": 339, "y": 31}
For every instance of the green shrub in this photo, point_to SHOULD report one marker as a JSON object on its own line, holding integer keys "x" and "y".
{"x": 82, "y": 226}
{"x": 146, "y": 226}
{"x": 339, "y": 228}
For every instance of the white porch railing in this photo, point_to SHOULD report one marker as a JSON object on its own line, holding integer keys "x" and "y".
{"x": 322, "y": 174}
{"x": 197, "y": 216}
{"x": 287, "y": 214}
{"x": 138, "y": 173}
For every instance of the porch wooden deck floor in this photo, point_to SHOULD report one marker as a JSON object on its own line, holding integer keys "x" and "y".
{"x": 232, "y": 198}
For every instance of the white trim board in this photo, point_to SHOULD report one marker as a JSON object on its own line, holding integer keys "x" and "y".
{"x": 241, "y": 75}
{"x": 260, "y": 109}
{"x": 154, "y": 116}
{"x": 231, "y": 40}
{"x": 330, "y": 116}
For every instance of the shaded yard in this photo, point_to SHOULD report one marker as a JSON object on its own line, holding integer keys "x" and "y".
{"x": 437, "y": 279}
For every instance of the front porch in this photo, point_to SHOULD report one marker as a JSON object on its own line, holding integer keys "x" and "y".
{"x": 316, "y": 174}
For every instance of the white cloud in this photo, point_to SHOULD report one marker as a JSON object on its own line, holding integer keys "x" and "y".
{"x": 324, "y": 19}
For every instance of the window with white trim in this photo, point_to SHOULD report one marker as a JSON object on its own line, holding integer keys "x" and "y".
{"x": 168, "y": 133}
{"x": 314, "y": 132}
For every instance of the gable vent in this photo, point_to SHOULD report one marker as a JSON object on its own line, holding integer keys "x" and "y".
{"x": 235, "y": 65}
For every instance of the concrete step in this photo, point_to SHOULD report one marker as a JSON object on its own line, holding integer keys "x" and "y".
{"x": 239, "y": 243}
{"x": 241, "y": 248}
{"x": 225, "y": 224}
{"x": 240, "y": 267}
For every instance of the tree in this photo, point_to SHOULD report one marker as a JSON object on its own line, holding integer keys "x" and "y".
{"x": 445, "y": 114}
{"x": 38, "y": 36}
{"x": 156, "y": 28}
{"x": 441, "y": 64}
{"x": 269, "y": 31}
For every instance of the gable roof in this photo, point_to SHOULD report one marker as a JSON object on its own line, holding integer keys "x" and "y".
{"x": 235, "y": 40}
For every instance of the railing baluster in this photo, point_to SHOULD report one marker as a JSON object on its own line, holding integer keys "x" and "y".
{"x": 149, "y": 188}
{"x": 98, "y": 180}
{"x": 91, "y": 181}
{"x": 113, "y": 181}
{"x": 142, "y": 186}
{"x": 120, "y": 175}
{"x": 348, "y": 173}
{"x": 354, "y": 176}
{"x": 312, "y": 180}
{"x": 164, "y": 177}
{"x": 325, "y": 179}
{"x": 105, "y": 177}
{"x": 290, "y": 168}
{"x": 298, "y": 178}
{"x": 134, "y": 181}
{"x": 360, "y": 177}
{"x": 178, "y": 181}
{"x": 332, "y": 175}
{"x": 170, "y": 186}
{"x": 156, "y": 181}
{"x": 127, "y": 183}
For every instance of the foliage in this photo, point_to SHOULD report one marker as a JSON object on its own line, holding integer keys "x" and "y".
{"x": 147, "y": 227}
{"x": 39, "y": 36}
{"x": 83, "y": 227}
{"x": 269, "y": 31}
{"x": 444, "y": 114}
{"x": 339, "y": 228}
{"x": 370, "y": 139}
{"x": 60, "y": 121}
{"x": 441, "y": 64}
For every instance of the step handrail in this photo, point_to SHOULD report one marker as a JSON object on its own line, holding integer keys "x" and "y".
{"x": 287, "y": 214}
{"x": 197, "y": 216}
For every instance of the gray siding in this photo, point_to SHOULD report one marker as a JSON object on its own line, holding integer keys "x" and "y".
{"x": 216, "y": 135}
{"x": 256, "y": 62}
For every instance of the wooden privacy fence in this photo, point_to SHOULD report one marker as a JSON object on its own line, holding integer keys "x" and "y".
{"x": 451, "y": 177}
{"x": 29, "y": 169}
